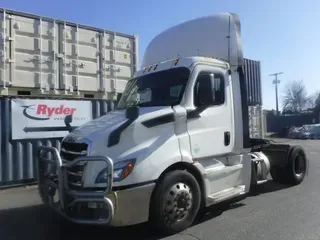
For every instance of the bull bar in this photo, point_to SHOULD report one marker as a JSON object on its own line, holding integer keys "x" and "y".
{"x": 53, "y": 178}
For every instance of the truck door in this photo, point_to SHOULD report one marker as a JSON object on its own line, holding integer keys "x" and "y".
{"x": 211, "y": 130}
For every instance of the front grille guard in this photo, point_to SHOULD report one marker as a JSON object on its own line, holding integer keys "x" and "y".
{"x": 52, "y": 178}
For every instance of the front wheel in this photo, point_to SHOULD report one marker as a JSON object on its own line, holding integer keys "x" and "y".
{"x": 176, "y": 202}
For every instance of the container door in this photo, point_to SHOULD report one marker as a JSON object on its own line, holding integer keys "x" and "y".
{"x": 33, "y": 51}
{"x": 118, "y": 62}
{"x": 79, "y": 52}
{"x": 5, "y": 63}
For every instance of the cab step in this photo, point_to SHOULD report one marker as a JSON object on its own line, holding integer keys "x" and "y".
{"x": 262, "y": 181}
{"x": 225, "y": 194}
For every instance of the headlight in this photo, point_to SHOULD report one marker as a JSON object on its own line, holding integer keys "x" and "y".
{"x": 123, "y": 169}
{"x": 103, "y": 176}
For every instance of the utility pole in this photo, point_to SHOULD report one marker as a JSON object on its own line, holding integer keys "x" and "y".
{"x": 276, "y": 81}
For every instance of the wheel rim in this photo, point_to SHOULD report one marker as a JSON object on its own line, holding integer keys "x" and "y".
{"x": 299, "y": 165}
{"x": 178, "y": 202}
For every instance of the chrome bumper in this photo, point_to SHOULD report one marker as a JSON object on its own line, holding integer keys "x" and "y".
{"x": 84, "y": 205}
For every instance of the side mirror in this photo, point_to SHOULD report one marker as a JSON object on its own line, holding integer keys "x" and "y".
{"x": 132, "y": 113}
{"x": 206, "y": 90}
{"x": 67, "y": 121}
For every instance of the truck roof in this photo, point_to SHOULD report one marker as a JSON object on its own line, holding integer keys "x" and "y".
{"x": 181, "y": 62}
{"x": 216, "y": 36}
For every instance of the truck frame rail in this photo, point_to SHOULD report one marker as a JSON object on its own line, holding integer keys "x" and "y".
{"x": 87, "y": 205}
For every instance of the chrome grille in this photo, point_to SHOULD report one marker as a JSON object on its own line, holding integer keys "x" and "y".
{"x": 69, "y": 152}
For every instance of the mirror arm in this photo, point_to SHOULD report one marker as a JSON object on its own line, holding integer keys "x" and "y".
{"x": 67, "y": 121}
{"x": 196, "y": 112}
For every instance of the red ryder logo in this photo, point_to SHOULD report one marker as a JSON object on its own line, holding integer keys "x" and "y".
{"x": 43, "y": 109}
{"x": 45, "y": 112}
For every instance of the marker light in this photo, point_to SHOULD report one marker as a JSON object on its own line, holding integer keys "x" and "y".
{"x": 123, "y": 169}
{"x": 155, "y": 67}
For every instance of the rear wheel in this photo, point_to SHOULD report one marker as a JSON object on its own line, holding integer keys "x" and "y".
{"x": 295, "y": 170}
{"x": 176, "y": 202}
{"x": 297, "y": 166}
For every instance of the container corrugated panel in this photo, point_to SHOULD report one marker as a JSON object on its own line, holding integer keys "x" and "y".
{"x": 17, "y": 157}
{"x": 61, "y": 58}
{"x": 252, "y": 72}
{"x": 255, "y": 121}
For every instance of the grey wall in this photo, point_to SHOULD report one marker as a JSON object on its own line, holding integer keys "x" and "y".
{"x": 17, "y": 157}
{"x": 277, "y": 123}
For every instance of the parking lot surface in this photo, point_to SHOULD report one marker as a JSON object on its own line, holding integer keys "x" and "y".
{"x": 274, "y": 212}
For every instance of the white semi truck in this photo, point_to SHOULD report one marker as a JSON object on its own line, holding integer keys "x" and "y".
{"x": 177, "y": 143}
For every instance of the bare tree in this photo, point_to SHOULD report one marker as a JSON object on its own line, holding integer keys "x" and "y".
{"x": 295, "y": 98}
{"x": 316, "y": 102}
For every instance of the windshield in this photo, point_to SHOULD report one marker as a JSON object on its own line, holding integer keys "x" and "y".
{"x": 164, "y": 88}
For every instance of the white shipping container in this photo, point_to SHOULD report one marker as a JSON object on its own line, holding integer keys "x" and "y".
{"x": 44, "y": 56}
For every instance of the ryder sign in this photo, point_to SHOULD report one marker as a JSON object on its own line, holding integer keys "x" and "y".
{"x": 39, "y": 118}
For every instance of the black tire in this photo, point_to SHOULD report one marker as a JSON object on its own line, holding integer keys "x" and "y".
{"x": 295, "y": 170}
{"x": 42, "y": 193}
{"x": 44, "y": 190}
{"x": 297, "y": 166}
{"x": 175, "y": 184}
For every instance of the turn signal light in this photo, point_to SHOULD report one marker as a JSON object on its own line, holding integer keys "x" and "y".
{"x": 127, "y": 170}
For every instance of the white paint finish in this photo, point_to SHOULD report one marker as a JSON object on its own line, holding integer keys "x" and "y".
{"x": 205, "y": 36}
{"x": 236, "y": 107}
{"x": 207, "y": 132}
{"x": 222, "y": 176}
{"x": 91, "y": 172}
{"x": 154, "y": 152}
{"x": 200, "y": 140}
{"x": 181, "y": 131}
{"x": 245, "y": 177}
{"x": 49, "y": 54}
{"x": 225, "y": 173}
{"x": 101, "y": 125}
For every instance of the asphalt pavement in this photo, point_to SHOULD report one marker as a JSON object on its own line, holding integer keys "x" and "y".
{"x": 274, "y": 212}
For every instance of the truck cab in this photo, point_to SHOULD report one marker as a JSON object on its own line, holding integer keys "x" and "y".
{"x": 177, "y": 142}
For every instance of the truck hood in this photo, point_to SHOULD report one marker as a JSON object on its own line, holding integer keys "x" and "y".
{"x": 112, "y": 120}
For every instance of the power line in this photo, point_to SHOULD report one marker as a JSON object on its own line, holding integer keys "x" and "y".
{"x": 276, "y": 81}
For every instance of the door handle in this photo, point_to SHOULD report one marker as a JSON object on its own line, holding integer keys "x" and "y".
{"x": 226, "y": 138}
